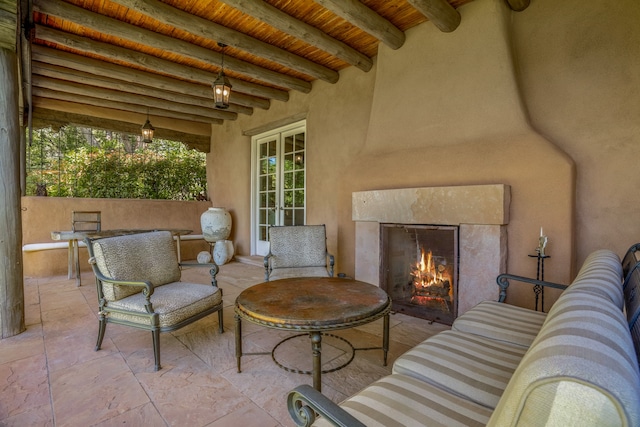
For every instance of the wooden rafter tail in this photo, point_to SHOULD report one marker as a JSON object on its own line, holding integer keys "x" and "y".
{"x": 439, "y": 12}
{"x": 518, "y": 5}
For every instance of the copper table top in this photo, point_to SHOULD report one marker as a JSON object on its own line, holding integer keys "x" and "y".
{"x": 312, "y": 303}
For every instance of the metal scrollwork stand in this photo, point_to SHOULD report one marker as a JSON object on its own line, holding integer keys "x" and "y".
{"x": 538, "y": 290}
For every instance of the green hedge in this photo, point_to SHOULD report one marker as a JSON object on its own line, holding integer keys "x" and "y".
{"x": 75, "y": 162}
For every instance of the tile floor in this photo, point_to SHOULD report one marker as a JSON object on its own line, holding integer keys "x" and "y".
{"x": 50, "y": 375}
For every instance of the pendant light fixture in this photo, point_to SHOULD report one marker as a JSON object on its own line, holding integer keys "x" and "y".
{"x": 222, "y": 86}
{"x": 147, "y": 130}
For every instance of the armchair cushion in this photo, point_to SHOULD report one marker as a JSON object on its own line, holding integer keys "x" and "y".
{"x": 285, "y": 273}
{"x": 298, "y": 246}
{"x": 174, "y": 304}
{"x": 126, "y": 258}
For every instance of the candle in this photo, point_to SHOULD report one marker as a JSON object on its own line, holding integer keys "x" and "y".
{"x": 541, "y": 232}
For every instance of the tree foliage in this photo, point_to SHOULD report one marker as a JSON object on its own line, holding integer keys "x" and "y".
{"x": 77, "y": 162}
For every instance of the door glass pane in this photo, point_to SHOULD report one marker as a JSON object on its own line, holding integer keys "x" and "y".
{"x": 273, "y": 148}
{"x": 288, "y": 217}
{"x": 288, "y": 180}
{"x": 288, "y": 144}
{"x": 299, "y": 217}
{"x": 288, "y": 162}
{"x": 288, "y": 199}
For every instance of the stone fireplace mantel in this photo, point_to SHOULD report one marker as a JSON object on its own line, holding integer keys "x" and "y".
{"x": 480, "y": 211}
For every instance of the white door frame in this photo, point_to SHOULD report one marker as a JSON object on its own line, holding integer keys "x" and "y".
{"x": 257, "y": 249}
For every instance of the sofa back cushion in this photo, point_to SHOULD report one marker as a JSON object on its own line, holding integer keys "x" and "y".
{"x": 139, "y": 257}
{"x": 580, "y": 370}
{"x": 601, "y": 274}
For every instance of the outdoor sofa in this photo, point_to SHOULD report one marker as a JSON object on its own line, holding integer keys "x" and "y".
{"x": 502, "y": 365}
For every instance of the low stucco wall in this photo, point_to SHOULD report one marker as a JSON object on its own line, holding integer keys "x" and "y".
{"x": 42, "y": 215}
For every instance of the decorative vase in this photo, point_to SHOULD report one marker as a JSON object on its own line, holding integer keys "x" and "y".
{"x": 223, "y": 251}
{"x": 216, "y": 224}
{"x": 204, "y": 257}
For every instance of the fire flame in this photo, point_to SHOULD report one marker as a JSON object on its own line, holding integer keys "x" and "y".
{"x": 427, "y": 274}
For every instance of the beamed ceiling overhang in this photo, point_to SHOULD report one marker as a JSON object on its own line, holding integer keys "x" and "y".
{"x": 109, "y": 63}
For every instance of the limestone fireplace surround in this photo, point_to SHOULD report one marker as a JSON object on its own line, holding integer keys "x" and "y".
{"x": 480, "y": 211}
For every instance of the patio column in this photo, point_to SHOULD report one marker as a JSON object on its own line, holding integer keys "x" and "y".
{"x": 11, "y": 275}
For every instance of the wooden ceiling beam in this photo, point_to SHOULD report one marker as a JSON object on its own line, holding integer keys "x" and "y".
{"x": 439, "y": 12}
{"x": 285, "y": 23}
{"x": 96, "y": 67}
{"x": 210, "y": 30}
{"x": 42, "y": 94}
{"x": 43, "y": 117}
{"x": 47, "y": 112}
{"x": 367, "y": 20}
{"x": 62, "y": 73}
{"x": 75, "y": 88}
{"x": 121, "y": 30}
{"x": 518, "y": 5}
{"x": 149, "y": 62}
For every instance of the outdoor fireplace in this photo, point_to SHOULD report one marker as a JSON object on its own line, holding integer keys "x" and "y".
{"x": 419, "y": 269}
{"x": 479, "y": 215}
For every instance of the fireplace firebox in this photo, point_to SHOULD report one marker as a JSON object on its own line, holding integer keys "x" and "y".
{"x": 419, "y": 269}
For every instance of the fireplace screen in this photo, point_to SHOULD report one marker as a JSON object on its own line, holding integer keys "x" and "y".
{"x": 419, "y": 269}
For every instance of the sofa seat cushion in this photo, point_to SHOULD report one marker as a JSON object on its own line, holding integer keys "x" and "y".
{"x": 286, "y": 273}
{"x": 174, "y": 303}
{"x": 400, "y": 400}
{"x": 468, "y": 365}
{"x": 501, "y": 322}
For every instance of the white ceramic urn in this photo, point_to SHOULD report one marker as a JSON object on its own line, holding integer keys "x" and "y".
{"x": 223, "y": 251}
{"x": 216, "y": 224}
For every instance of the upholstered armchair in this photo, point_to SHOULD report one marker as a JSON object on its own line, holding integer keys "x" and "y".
{"x": 298, "y": 251}
{"x": 138, "y": 280}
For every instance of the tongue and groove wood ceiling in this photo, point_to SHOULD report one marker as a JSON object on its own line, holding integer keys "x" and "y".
{"x": 161, "y": 57}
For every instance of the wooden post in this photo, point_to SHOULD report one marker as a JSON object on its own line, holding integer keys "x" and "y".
{"x": 11, "y": 274}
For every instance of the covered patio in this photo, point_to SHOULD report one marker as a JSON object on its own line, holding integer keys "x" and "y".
{"x": 50, "y": 374}
{"x": 536, "y": 96}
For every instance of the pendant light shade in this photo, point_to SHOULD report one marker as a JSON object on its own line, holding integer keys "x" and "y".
{"x": 221, "y": 86}
{"x": 147, "y": 131}
{"x": 221, "y": 91}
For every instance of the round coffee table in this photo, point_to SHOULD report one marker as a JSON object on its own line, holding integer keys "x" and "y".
{"x": 314, "y": 305}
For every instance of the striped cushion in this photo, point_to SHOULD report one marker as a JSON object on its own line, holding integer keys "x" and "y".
{"x": 399, "y": 400}
{"x": 601, "y": 273}
{"x": 581, "y": 370}
{"x": 173, "y": 302}
{"x": 502, "y": 322}
{"x": 464, "y": 364}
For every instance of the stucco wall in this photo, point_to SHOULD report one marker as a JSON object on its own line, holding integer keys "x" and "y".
{"x": 42, "y": 215}
{"x": 503, "y": 99}
{"x": 579, "y": 63}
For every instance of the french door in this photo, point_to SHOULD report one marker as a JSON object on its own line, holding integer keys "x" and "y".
{"x": 279, "y": 172}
